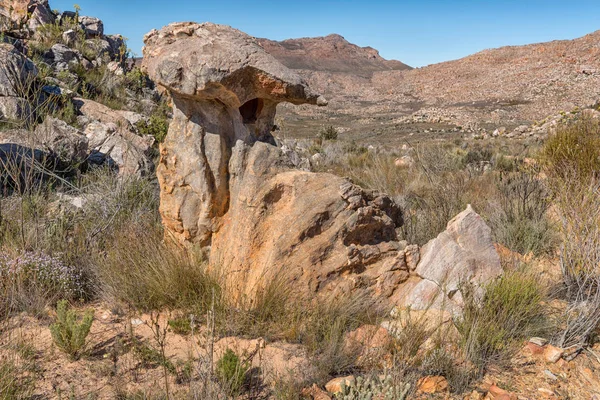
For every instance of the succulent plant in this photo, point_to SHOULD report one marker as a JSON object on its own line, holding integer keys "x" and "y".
{"x": 373, "y": 388}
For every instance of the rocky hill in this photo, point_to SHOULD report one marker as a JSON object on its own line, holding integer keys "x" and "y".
{"x": 508, "y": 86}
{"x": 331, "y": 53}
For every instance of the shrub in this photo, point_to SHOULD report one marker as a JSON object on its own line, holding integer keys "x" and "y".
{"x": 493, "y": 323}
{"x": 157, "y": 127}
{"x": 519, "y": 221}
{"x": 33, "y": 280}
{"x": 328, "y": 133}
{"x": 373, "y": 388}
{"x": 574, "y": 148}
{"x": 70, "y": 331}
{"x": 231, "y": 371}
{"x": 181, "y": 325}
{"x": 578, "y": 212}
{"x": 45, "y": 271}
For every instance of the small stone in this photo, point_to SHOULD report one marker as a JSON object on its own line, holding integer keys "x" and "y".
{"x": 534, "y": 348}
{"x": 335, "y": 385}
{"x": 552, "y": 353}
{"x": 136, "y": 322}
{"x": 315, "y": 393}
{"x": 547, "y": 393}
{"x": 550, "y": 375}
{"x": 432, "y": 384}
{"x": 496, "y": 393}
{"x": 538, "y": 341}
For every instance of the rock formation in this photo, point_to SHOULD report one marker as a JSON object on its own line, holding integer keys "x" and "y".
{"x": 224, "y": 183}
{"x": 463, "y": 254}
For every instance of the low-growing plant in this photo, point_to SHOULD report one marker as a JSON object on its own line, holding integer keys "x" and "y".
{"x": 574, "y": 150}
{"x": 231, "y": 371}
{"x": 180, "y": 325}
{"x": 328, "y": 133}
{"x": 495, "y": 321}
{"x": 70, "y": 331}
{"x": 367, "y": 388}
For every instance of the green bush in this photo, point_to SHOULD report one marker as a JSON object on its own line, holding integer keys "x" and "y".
{"x": 70, "y": 331}
{"x": 495, "y": 322}
{"x": 574, "y": 149}
{"x": 383, "y": 388}
{"x": 157, "y": 127}
{"x": 180, "y": 325}
{"x": 328, "y": 133}
{"x": 520, "y": 222}
{"x": 231, "y": 371}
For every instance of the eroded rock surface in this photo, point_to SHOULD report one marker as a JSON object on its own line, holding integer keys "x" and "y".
{"x": 224, "y": 183}
{"x": 464, "y": 253}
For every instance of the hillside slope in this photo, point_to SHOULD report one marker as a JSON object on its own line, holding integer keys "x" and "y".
{"x": 370, "y": 96}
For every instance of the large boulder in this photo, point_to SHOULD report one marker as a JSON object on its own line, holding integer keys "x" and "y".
{"x": 23, "y": 165}
{"x": 66, "y": 143}
{"x": 16, "y": 71}
{"x": 41, "y": 15}
{"x": 14, "y": 108}
{"x": 92, "y": 26}
{"x": 113, "y": 141}
{"x": 14, "y": 10}
{"x": 463, "y": 254}
{"x": 224, "y": 184}
{"x": 60, "y": 57}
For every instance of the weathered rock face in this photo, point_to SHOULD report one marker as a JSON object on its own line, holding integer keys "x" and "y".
{"x": 224, "y": 184}
{"x": 113, "y": 141}
{"x": 463, "y": 253}
{"x": 225, "y": 89}
{"x": 15, "y": 71}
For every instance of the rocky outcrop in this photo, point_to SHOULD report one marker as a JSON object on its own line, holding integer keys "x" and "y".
{"x": 113, "y": 140}
{"x": 67, "y": 143}
{"x": 16, "y": 71}
{"x": 224, "y": 184}
{"x": 463, "y": 254}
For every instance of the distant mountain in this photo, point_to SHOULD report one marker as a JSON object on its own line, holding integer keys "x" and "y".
{"x": 507, "y": 86}
{"x": 331, "y": 53}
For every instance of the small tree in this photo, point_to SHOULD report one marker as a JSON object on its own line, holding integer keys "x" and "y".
{"x": 231, "y": 371}
{"x": 70, "y": 331}
{"x": 328, "y": 133}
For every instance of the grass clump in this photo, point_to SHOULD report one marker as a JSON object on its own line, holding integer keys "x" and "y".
{"x": 70, "y": 330}
{"x": 328, "y": 133}
{"x": 574, "y": 148}
{"x": 13, "y": 385}
{"x": 231, "y": 371}
{"x": 578, "y": 212}
{"x": 496, "y": 321}
{"x": 519, "y": 220}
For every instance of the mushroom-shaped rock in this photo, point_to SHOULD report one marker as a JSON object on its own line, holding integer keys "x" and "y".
{"x": 225, "y": 88}
{"x": 223, "y": 183}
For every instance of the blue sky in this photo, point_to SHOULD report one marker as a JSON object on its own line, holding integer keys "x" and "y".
{"x": 415, "y": 32}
